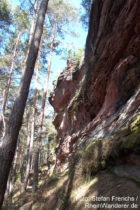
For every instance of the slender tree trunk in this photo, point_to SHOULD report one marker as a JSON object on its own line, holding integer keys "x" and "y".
{"x": 37, "y": 152}
{"x": 1, "y": 125}
{"x": 29, "y": 160}
{"x": 28, "y": 149}
{"x": 8, "y": 146}
{"x": 30, "y": 143}
{"x": 48, "y": 155}
{"x": 32, "y": 27}
{"x": 28, "y": 134}
{"x": 22, "y": 157}
{"x": 12, "y": 174}
{"x": 6, "y": 90}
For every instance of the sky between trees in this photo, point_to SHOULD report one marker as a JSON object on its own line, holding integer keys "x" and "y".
{"x": 70, "y": 42}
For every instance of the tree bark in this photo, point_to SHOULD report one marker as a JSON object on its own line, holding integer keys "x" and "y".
{"x": 30, "y": 139}
{"x": 37, "y": 152}
{"x": 29, "y": 160}
{"x": 32, "y": 27}
{"x": 7, "y": 87}
{"x": 27, "y": 147}
{"x": 11, "y": 178}
{"x": 8, "y": 146}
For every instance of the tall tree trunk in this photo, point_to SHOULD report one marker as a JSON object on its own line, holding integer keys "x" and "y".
{"x": 27, "y": 147}
{"x": 8, "y": 146}
{"x": 48, "y": 155}
{"x": 28, "y": 133}
{"x": 6, "y": 90}
{"x": 30, "y": 144}
{"x": 29, "y": 160}
{"x": 32, "y": 27}
{"x": 11, "y": 178}
{"x": 7, "y": 87}
{"x": 37, "y": 152}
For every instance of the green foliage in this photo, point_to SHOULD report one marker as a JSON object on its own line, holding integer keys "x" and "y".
{"x": 75, "y": 55}
{"x": 20, "y": 22}
{"x": 21, "y": 19}
{"x": 51, "y": 132}
{"x": 62, "y": 10}
{"x": 64, "y": 13}
{"x": 5, "y": 13}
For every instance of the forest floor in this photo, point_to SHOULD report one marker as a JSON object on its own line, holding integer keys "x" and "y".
{"x": 55, "y": 193}
{"x": 103, "y": 172}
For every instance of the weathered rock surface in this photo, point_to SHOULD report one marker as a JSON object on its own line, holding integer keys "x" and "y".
{"x": 128, "y": 171}
{"x": 96, "y": 99}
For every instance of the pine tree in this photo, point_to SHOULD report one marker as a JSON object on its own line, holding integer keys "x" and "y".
{"x": 8, "y": 146}
{"x": 32, "y": 128}
{"x": 5, "y": 14}
{"x": 20, "y": 19}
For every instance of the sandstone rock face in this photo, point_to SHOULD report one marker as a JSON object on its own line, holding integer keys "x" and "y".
{"x": 95, "y": 99}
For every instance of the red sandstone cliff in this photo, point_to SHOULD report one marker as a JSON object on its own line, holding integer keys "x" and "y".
{"x": 95, "y": 99}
